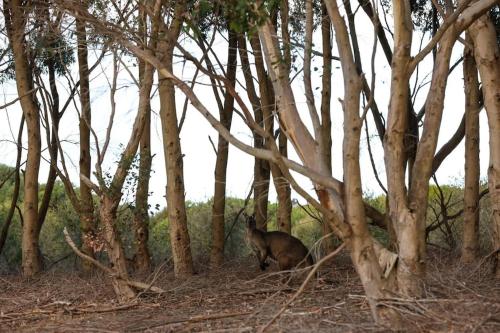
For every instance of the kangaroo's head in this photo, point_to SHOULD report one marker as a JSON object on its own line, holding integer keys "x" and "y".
{"x": 251, "y": 223}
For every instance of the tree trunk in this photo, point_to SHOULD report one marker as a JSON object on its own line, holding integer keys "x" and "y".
{"x": 53, "y": 146}
{"x": 179, "y": 236}
{"x": 361, "y": 244}
{"x": 281, "y": 184}
{"x": 86, "y": 213}
{"x": 408, "y": 263}
{"x": 15, "y": 19}
{"x": 263, "y": 116}
{"x": 283, "y": 190}
{"x": 226, "y": 114}
{"x": 114, "y": 249}
{"x": 17, "y": 185}
{"x": 326, "y": 122}
{"x": 471, "y": 192}
{"x": 142, "y": 259}
{"x": 487, "y": 55}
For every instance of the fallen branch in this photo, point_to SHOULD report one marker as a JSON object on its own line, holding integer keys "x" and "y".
{"x": 193, "y": 320}
{"x": 303, "y": 286}
{"x": 113, "y": 274}
{"x": 110, "y": 309}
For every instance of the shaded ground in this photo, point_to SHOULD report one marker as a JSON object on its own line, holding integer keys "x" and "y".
{"x": 238, "y": 298}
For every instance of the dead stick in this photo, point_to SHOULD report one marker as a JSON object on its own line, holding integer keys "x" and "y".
{"x": 114, "y": 275}
{"x": 113, "y": 309}
{"x": 195, "y": 319}
{"x": 303, "y": 286}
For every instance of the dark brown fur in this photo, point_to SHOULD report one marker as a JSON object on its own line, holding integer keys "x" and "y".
{"x": 287, "y": 250}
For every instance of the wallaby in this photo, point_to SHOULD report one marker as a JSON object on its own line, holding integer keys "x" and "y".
{"x": 287, "y": 250}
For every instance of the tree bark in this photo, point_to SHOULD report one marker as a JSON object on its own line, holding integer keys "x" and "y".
{"x": 179, "y": 236}
{"x": 226, "y": 114}
{"x": 51, "y": 33}
{"x": 17, "y": 185}
{"x": 487, "y": 56}
{"x": 114, "y": 249}
{"x": 283, "y": 190}
{"x": 281, "y": 184}
{"x": 86, "y": 213}
{"x": 15, "y": 18}
{"x": 470, "y": 242}
{"x": 326, "y": 122}
{"x": 361, "y": 243}
{"x": 395, "y": 152}
{"x": 263, "y": 116}
{"x": 142, "y": 259}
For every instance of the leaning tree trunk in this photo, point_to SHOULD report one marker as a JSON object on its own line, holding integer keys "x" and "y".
{"x": 179, "y": 236}
{"x": 471, "y": 192}
{"x": 487, "y": 55}
{"x": 226, "y": 114}
{"x": 17, "y": 185}
{"x": 15, "y": 21}
{"x": 114, "y": 249}
{"x": 86, "y": 213}
{"x": 52, "y": 145}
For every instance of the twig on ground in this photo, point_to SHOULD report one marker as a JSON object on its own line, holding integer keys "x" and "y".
{"x": 303, "y": 286}
{"x": 193, "y": 319}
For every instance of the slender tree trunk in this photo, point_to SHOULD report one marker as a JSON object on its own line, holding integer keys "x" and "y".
{"x": 179, "y": 236}
{"x": 15, "y": 17}
{"x": 281, "y": 184}
{"x": 471, "y": 192}
{"x": 263, "y": 116}
{"x": 326, "y": 122}
{"x": 86, "y": 213}
{"x": 226, "y": 114}
{"x": 53, "y": 147}
{"x": 283, "y": 190}
{"x": 17, "y": 185}
{"x": 487, "y": 55}
{"x": 142, "y": 259}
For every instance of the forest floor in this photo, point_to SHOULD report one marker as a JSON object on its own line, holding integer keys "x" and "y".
{"x": 239, "y": 298}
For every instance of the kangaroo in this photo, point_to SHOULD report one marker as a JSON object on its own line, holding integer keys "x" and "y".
{"x": 287, "y": 250}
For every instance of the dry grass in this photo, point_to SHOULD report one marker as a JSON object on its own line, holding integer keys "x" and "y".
{"x": 238, "y": 298}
